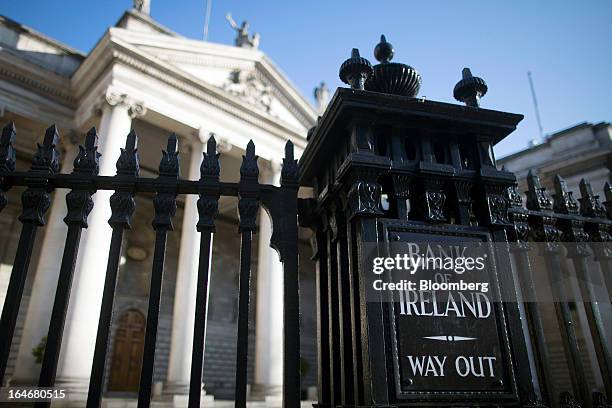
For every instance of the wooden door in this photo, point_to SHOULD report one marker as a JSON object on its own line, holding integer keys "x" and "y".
{"x": 127, "y": 352}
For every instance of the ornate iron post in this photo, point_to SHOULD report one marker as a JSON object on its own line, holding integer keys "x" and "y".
{"x": 386, "y": 167}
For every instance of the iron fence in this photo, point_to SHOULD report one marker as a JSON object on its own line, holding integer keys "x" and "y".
{"x": 44, "y": 177}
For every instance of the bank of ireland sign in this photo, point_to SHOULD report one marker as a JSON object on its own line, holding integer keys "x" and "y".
{"x": 448, "y": 330}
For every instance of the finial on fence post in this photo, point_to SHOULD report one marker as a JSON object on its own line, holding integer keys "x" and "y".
{"x": 355, "y": 70}
{"x": 128, "y": 162}
{"x": 47, "y": 157}
{"x": 169, "y": 165}
{"x": 210, "y": 169}
{"x": 564, "y": 201}
{"x": 590, "y": 206}
{"x": 537, "y": 197}
{"x": 88, "y": 159}
{"x": 470, "y": 88}
{"x": 392, "y": 77}
{"x": 289, "y": 173}
{"x": 248, "y": 168}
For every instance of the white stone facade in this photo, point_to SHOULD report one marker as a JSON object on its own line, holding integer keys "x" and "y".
{"x": 142, "y": 75}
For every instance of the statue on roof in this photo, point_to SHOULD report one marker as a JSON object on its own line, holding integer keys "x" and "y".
{"x": 321, "y": 95}
{"x": 243, "y": 39}
{"x": 144, "y": 6}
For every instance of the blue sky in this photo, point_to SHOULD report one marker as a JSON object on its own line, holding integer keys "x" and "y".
{"x": 567, "y": 45}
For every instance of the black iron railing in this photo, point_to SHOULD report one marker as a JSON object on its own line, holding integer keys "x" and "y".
{"x": 44, "y": 177}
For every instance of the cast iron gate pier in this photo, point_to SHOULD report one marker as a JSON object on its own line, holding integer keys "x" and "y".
{"x": 388, "y": 168}
{"x": 43, "y": 177}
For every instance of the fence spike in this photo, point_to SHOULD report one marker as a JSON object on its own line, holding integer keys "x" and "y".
{"x": 210, "y": 161}
{"x": 131, "y": 141}
{"x": 249, "y": 169}
{"x": 564, "y": 201}
{"x": 590, "y": 206}
{"x": 7, "y": 152}
{"x": 128, "y": 163}
{"x": 537, "y": 197}
{"x": 169, "y": 165}
{"x": 172, "y": 143}
{"x": 46, "y": 157}
{"x": 289, "y": 173}
{"x": 51, "y": 136}
{"x": 88, "y": 159}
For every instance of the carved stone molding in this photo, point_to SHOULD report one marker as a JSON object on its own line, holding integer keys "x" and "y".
{"x": 112, "y": 98}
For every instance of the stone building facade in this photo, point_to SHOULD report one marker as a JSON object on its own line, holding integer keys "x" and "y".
{"x": 142, "y": 75}
{"x": 580, "y": 151}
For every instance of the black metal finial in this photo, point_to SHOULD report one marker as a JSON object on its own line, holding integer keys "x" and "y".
{"x": 210, "y": 169}
{"x": 537, "y": 197}
{"x": 355, "y": 70}
{"x": 383, "y": 52}
{"x": 169, "y": 165}
{"x": 564, "y": 201}
{"x": 249, "y": 169}
{"x": 47, "y": 157}
{"x": 392, "y": 77}
{"x": 470, "y": 89}
{"x": 289, "y": 173}
{"x": 88, "y": 159}
{"x": 128, "y": 162}
{"x": 590, "y": 205}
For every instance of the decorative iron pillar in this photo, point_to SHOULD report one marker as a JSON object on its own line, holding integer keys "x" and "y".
{"x": 426, "y": 160}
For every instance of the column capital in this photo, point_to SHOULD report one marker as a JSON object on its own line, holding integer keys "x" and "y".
{"x": 135, "y": 107}
{"x": 272, "y": 167}
{"x": 223, "y": 145}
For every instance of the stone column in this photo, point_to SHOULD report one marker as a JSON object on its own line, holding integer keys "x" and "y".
{"x": 84, "y": 309}
{"x": 36, "y": 323}
{"x": 269, "y": 309}
{"x": 179, "y": 362}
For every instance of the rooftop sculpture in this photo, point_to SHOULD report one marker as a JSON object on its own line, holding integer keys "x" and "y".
{"x": 243, "y": 39}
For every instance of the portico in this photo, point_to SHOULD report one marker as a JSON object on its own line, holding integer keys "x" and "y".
{"x": 141, "y": 75}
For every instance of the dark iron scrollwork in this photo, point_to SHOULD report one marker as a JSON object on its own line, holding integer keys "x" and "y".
{"x": 7, "y": 157}
{"x": 600, "y": 401}
{"x": 364, "y": 198}
{"x": 290, "y": 170}
{"x": 36, "y": 200}
{"x": 519, "y": 232}
{"x": 79, "y": 201}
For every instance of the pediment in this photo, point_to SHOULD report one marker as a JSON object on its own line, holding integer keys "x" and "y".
{"x": 246, "y": 75}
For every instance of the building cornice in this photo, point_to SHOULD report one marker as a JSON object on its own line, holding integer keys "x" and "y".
{"x": 33, "y": 77}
